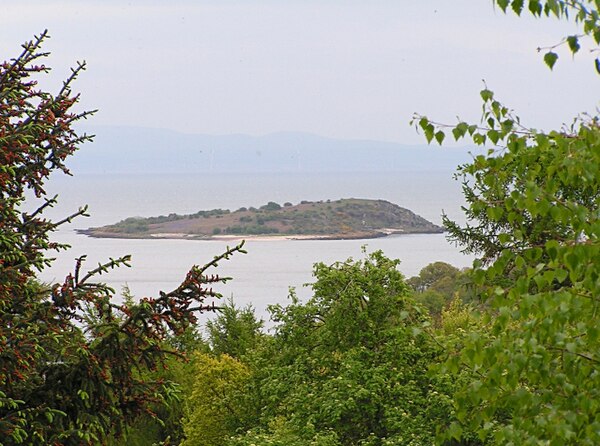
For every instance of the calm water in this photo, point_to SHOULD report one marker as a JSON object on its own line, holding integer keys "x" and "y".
{"x": 264, "y": 275}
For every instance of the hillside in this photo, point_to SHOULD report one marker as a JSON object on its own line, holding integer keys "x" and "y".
{"x": 341, "y": 219}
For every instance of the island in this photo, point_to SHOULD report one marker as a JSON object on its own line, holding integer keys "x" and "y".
{"x": 330, "y": 220}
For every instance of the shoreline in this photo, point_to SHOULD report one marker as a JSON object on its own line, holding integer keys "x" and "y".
{"x": 252, "y": 237}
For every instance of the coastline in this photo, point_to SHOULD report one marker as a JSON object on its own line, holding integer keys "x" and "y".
{"x": 252, "y": 237}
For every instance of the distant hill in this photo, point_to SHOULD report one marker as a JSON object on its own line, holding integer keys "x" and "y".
{"x": 341, "y": 219}
{"x": 140, "y": 150}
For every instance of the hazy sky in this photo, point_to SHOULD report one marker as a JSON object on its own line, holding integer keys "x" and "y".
{"x": 346, "y": 69}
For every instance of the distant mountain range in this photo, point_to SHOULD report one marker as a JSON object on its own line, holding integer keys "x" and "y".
{"x": 134, "y": 150}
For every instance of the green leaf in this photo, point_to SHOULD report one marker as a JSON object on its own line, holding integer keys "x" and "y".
{"x": 439, "y": 137}
{"x": 552, "y": 6}
{"x": 535, "y": 7}
{"x": 453, "y": 364}
{"x": 517, "y": 6}
{"x": 429, "y": 133}
{"x": 550, "y": 59}
{"x": 507, "y": 125}
{"x": 487, "y": 95}
{"x": 457, "y": 133}
{"x": 460, "y": 130}
{"x": 495, "y": 213}
{"x": 560, "y": 275}
{"x": 588, "y": 26}
{"x": 573, "y": 42}
{"x": 502, "y": 4}
{"x": 455, "y": 431}
{"x": 504, "y": 238}
{"x": 479, "y": 139}
{"x": 494, "y": 136}
{"x": 552, "y": 249}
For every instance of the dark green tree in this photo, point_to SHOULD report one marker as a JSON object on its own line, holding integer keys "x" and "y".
{"x": 438, "y": 284}
{"x": 432, "y": 274}
{"x": 72, "y": 362}
{"x": 234, "y": 331}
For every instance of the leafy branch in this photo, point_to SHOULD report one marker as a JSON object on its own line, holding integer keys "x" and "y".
{"x": 583, "y": 11}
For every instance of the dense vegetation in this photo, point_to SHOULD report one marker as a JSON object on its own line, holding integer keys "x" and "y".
{"x": 505, "y": 353}
{"x": 346, "y": 218}
{"x": 534, "y": 220}
{"x": 352, "y": 365}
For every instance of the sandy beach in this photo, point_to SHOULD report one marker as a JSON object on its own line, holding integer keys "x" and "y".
{"x": 260, "y": 238}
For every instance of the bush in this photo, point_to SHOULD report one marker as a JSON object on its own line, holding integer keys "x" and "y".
{"x": 271, "y": 206}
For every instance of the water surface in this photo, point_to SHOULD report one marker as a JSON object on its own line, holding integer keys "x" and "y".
{"x": 264, "y": 275}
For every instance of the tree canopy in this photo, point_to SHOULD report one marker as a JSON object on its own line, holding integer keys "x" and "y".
{"x": 351, "y": 366}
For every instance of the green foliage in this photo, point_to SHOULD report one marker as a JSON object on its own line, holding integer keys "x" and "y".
{"x": 257, "y": 229}
{"x": 131, "y": 225}
{"x": 349, "y": 366}
{"x": 440, "y": 283}
{"x": 431, "y": 276}
{"x": 281, "y": 434}
{"x": 583, "y": 12}
{"x": 234, "y": 331}
{"x": 163, "y": 424}
{"x": 534, "y": 188}
{"x": 216, "y": 412}
{"x": 533, "y": 208}
{"x": 271, "y": 206}
{"x": 73, "y": 364}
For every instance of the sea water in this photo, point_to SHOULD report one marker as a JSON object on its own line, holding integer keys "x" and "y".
{"x": 264, "y": 275}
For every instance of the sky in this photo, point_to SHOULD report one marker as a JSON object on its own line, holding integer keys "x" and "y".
{"x": 338, "y": 68}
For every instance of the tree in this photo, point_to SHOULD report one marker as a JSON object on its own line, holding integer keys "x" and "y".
{"x": 234, "y": 331}
{"x": 432, "y": 274}
{"x": 349, "y": 366}
{"x": 215, "y": 405}
{"x": 533, "y": 208}
{"x": 271, "y": 206}
{"x": 72, "y": 362}
{"x": 438, "y": 284}
{"x": 164, "y": 423}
